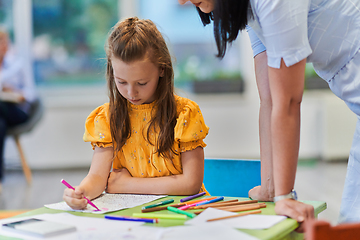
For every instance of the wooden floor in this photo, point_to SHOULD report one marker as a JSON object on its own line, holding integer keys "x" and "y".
{"x": 320, "y": 181}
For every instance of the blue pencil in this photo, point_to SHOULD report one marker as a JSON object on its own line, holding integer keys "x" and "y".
{"x": 210, "y": 201}
{"x": 123, "y": 218}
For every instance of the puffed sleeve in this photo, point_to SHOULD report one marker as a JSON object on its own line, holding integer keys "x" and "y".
{"x": 190, "y": 129}
{"x": 97, "y": 128}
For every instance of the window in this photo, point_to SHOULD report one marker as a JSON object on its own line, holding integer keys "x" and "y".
{"x": 192, "y": 45}
{"x": 69, "y": 38}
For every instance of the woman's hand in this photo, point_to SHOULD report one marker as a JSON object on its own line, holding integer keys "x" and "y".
{"x": 117, "y": 178}
{"x": 261, "y": 194}
{"x": 299, "y": 211}
{"x": 75, "y": 198}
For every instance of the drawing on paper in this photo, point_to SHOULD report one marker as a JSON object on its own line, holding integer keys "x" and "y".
{"x": 110, "y": 202}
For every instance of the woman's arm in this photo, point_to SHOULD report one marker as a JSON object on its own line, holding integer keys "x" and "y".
{"x": 95, "y": 181}
{"x": 265, "y": 192}
{"x": 187, "y": 183}
{"x": 286, "y": 87}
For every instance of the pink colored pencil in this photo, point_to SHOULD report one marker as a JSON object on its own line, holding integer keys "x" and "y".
{"x": 189, "y": 205}
{"x": 71, "y": 187}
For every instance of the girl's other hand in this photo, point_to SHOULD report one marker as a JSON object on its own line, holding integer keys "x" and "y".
{"x": 75, "y": 198}
{"x": 258, "y": 193}
{"x": 117, "y": 179}
{"x": 299, "y": 211}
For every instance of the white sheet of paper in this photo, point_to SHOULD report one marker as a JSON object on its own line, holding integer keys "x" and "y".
{"x": 211, "y": 231}
{"x": 85, "y": 226}
{"x": 110, "y": 203}
{"x": 253, "y": 221}
{"x": 135, "y": 233}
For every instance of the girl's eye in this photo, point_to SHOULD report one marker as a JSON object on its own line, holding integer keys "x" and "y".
{"x": 142, "y": 84}
{"x": 121, "y": 82}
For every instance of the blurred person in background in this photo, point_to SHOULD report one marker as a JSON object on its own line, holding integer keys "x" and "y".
{"x": 17, "y": 92}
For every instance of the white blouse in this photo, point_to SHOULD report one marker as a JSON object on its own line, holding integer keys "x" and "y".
{"x": 12, "y": 75}
{"x": 326, "y": 32}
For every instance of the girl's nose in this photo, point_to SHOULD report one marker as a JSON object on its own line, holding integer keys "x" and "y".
{"x": 132, "y": 92}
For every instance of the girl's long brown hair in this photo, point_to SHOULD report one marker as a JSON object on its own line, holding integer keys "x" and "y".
{"x": 133, "y": 40}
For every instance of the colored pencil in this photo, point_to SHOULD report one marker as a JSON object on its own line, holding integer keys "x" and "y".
{"x": 215, "y": 204}
{"x": 243, "y": 207}
{"x": 192, "y": 197}
{"x": 234, "y": 216}
{"x": 162, "y": 208}
{"x": 125, "y": 218}
{"x": 175, "y": 210}
{"x": 165, "y": 216}
{"x": 187, "y": 206}
{"x": 223, "y": 204}
{"x": 232, "y": 202}
{"x": 200, "y": 200}
{"x": 239, "y": 208}
{"x": 211, "y": 201}
{"x": 159, "y": 204}
{"x": 71, "y": 187}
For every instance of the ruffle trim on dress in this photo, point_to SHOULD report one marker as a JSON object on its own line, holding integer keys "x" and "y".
{"x": 188, "y": 146}
{"x": 101, "y": 145}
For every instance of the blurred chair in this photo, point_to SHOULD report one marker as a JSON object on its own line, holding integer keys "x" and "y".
{"x": 231, "y": 177}
{"x": 36, "y": 113}
{"x": 322, "y": 230}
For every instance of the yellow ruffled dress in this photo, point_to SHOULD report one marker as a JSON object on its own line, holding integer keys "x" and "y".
{"x": 138, "y": 156}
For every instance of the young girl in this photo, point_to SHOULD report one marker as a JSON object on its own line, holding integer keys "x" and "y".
{"x": 152, "y": 139}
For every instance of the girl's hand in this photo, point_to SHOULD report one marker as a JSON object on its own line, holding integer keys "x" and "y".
{"x": 117, "y": 179}
{"x": 258, "y": 193}
{"x": 75, "y": 198}
{"x": 299, "y": 211}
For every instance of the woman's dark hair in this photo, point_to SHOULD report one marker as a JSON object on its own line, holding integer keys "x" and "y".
{"x": 230, "y": 17}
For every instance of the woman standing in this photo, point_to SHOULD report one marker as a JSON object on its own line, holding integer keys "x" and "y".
{"x": 284, "y": 36}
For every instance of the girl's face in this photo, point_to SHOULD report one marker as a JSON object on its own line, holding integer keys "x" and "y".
{"x": 205, "y": 6}
{"x": 136, "y": 81}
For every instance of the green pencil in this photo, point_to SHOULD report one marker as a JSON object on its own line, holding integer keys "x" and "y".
{"x": 159, "y": 204}
{"x": 181, "y": 211}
